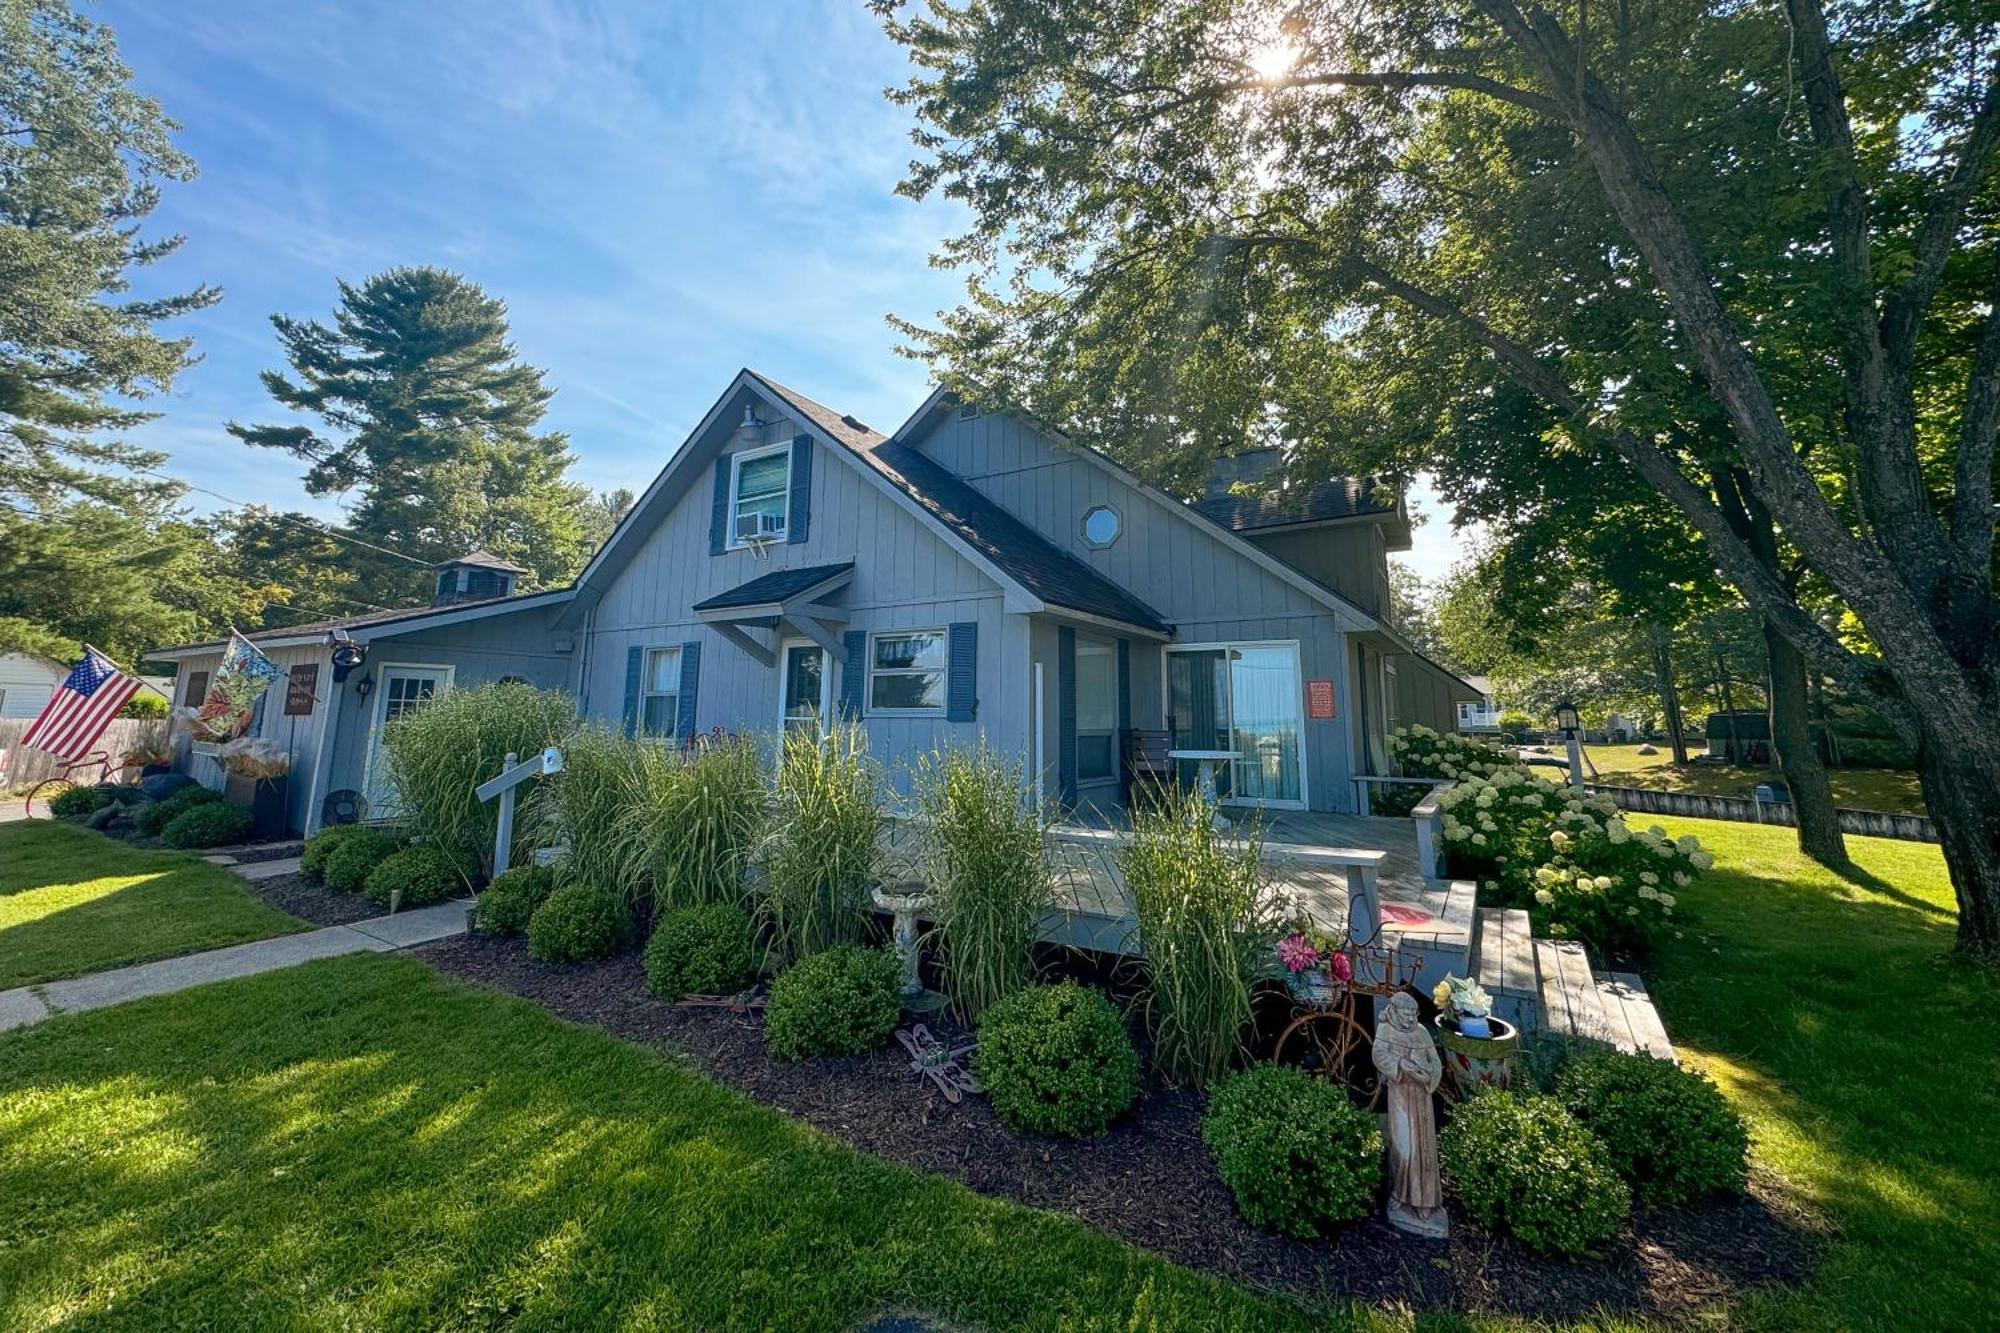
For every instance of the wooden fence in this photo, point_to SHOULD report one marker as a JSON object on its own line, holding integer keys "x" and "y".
{"x": 1693, "y": 805}
{"x": 23, "y": 767}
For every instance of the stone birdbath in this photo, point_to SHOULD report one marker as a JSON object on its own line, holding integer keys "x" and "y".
{"x": 905, "y": 901}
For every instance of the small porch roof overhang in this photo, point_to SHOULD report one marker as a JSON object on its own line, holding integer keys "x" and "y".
{"x": 781, "y": 600}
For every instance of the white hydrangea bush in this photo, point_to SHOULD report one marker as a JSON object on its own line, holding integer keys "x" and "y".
{"x": 1423, "y": 752}
{"x": 1569, "y": 858}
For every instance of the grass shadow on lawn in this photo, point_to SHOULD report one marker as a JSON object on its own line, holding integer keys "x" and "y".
{"x": 376, "y": 1147}
{"x": 74, "y": 901}
{"x": 1832, "y": 1008}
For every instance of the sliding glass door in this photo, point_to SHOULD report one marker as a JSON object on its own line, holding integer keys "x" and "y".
{"x": 1247, "y": 698}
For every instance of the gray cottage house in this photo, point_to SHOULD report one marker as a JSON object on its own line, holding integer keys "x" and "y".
{"x": 970, "y": 575}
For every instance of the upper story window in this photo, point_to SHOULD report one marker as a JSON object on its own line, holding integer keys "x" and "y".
{"x": 1101, "y": 525}
{"x": 906, "y": 672}
{"x": 760, "y": 494}
{"x": 660, "y": 693}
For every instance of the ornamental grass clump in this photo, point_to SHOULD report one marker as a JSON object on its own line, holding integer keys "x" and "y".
{"x": 694, "y": 820}
{"x": 840, "y": 1002}
{"x": 506, "y": 904}
{"x": 1057, "y": 1060}
{"x": 438, "y": 753}
{"x": 1206, "y": 926}
{"x": 820, "y": 852}
{"x": 1298, "y": 1157}
{"x": 985, "y": 860}
{"x": 1524, "y": 1166}
{"x": 1669, "y": 1132}
{"x": 709, "y": 949}
{"x": 593, "y": 808}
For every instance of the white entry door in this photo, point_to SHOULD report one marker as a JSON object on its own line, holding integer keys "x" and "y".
{"x": 803, "y": 683}
{"x": 400, "y": 689}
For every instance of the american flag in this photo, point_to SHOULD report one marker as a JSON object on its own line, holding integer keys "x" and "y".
{"x": 90, "y": 696}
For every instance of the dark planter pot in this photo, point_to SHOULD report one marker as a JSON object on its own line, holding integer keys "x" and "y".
{"x": 154, "y": 770}
{"x": 269, "y": 802}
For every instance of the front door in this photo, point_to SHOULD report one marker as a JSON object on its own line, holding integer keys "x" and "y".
{"x": 803, "y": 701}
{"x": 401, "y": 689}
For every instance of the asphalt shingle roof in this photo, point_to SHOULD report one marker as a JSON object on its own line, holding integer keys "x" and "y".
{"x": 1026, "y": 556}
{"x": 1341, "y": 497}
{"x": 777, "y": 586}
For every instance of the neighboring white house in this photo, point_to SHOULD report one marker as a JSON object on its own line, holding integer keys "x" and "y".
{"x": 1482, "y": 714}
{"x": 27, "y": 682}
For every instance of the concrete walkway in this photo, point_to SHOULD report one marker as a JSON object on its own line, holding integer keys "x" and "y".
{"x": 381, "y": 934}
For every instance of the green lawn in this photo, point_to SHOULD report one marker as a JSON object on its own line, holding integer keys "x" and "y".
{"x": 75, "y": 901}
{"x": 357, "y": 1143}
{"x": 1831, "y": 1009}
{"x": 1855, "y": 788}
{"x": 360, "y": 1143}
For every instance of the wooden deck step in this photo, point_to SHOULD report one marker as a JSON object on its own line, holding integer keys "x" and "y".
{"x": 1625, "y": 1002}
{"x": 1504, "y": 963}
{"x": 1571, "y": 1004}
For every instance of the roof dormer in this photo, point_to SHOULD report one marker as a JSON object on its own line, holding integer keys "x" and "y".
{"x": 476, "y": 576}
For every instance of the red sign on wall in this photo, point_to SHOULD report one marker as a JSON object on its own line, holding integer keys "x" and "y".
{"x": 1319, "y": 700}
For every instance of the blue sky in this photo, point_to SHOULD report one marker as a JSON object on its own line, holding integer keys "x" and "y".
{"x": 661, "y": 193}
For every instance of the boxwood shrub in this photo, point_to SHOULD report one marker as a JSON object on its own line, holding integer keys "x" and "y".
{"x": 210, "y": 824}
{"x": 321, "y": 846}
{"x": 152, "y": 820}
{"x": 708, "y": 950}
{"x": 1670, "y": 1133}
{"x": 77, "y": 802}
{"x": 1057, "y": 1059}
{"x": 508, "y": 902}
{"x": 1296, "y": 1154}
{"x": 840, "y": 1002}
{"x": 1523, "y": 1165}
{"x": 426, "y": 874}
{"x": 355, "y": 858}
{"x": 578, "y": 922}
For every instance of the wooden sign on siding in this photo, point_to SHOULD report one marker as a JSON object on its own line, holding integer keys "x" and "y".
{"x": 1319, "y": 700}
{"x": 299, "y": 689}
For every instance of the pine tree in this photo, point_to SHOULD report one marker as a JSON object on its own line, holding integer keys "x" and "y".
{"x": 425, "y": 408}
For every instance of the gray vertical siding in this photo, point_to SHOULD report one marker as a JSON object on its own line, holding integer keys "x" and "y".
{"x": 906, "y": 576}
{"x": 1189, "y": 574}
{"x": 300, "y": 736}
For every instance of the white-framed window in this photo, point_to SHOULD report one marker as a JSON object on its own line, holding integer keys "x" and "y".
{"x": 906, "y": 671}
{"x": 660, "y": 693}
{"x": 760, "y": 493}
{"x": 1096, "y": 710}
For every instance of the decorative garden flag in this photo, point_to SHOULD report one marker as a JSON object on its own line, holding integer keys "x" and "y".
{"x": 83, "y": 706}
{"x": 232, "y": 698}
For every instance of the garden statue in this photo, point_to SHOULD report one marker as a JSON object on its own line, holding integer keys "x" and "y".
{"x": 1411, "y": 1070}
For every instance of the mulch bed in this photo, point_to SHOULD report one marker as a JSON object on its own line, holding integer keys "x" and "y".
{"x": 309, "y": 900}
{"x": 1150, "y": 1179}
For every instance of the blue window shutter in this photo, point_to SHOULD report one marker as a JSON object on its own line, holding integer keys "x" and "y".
{"x": 1066, "y": 714}
{"x": 1124, "y": 687}
{"x": 690, "y": 686}
{"x": 718, "y": 522}
{"x": 798, "y": 519}
{"x": 962, "y": 671}
{"x": 854, "y": 677}
{"x": 635, "y": 664}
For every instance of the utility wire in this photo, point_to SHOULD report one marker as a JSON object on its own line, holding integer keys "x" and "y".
{"x": 312, "y": 526}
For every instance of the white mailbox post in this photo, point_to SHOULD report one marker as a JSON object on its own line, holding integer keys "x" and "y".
{"x": 548, "y": 762}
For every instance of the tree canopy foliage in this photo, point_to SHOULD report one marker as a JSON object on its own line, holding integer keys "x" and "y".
{"x": 1740, "y": 259}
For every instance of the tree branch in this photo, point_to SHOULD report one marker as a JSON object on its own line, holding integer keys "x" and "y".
{"x": 1904, "y": 308}
{"x": 1972, "y": 498}
{"x": 1391, "y": 80}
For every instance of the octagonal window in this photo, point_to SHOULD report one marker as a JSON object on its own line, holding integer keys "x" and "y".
{"x": 1101, "y": 525}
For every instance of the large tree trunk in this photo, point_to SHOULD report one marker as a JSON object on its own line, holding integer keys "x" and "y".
{"x": 1792, "y": 742}
{"x": 1670, "y": 697}
{"x": 1966, "y": 809}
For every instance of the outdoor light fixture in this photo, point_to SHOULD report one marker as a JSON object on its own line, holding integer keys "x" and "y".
{"x": 347, "y": 655}
{"x": 1566, "y": 719}
{"x": 364, "y": 686}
